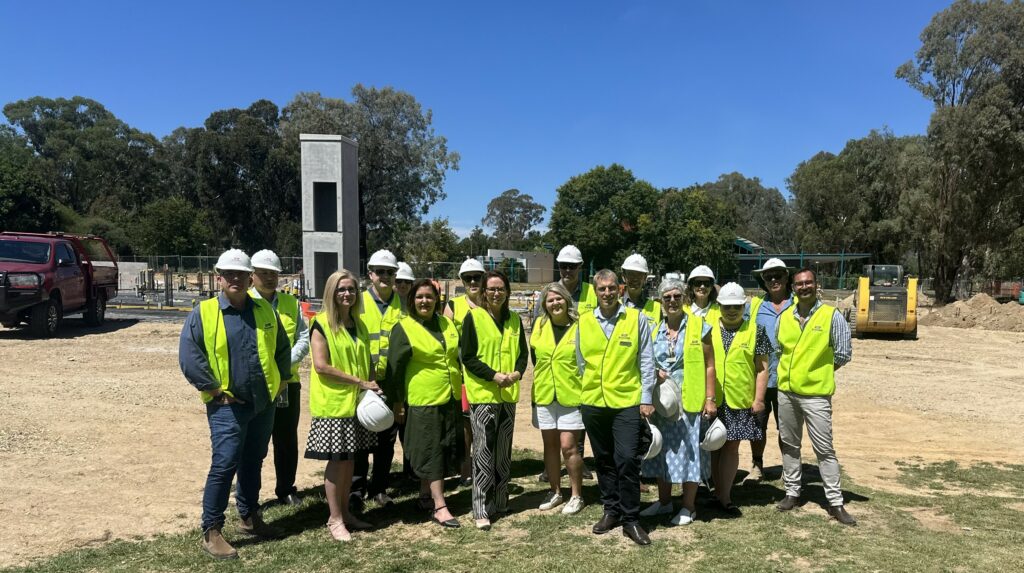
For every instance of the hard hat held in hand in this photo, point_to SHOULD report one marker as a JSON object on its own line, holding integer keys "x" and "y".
{"x": 667, "y": 399}
{"x": 712, "y": 438}
{"x": 570, "y": 254}
{"x": 266, "y": 259}
{"x": 471, "y": 266}
{"x": 383, "y": 258}
{"x": 656, "y": 442}
{"x": 372, "y": 413}
{"x": 636, "y": 262}
{"x": 234, "y": 260}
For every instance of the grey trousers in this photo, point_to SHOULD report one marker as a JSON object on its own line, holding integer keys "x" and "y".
{"x": 816, "y": 411}
{"x": 493, "y": 425}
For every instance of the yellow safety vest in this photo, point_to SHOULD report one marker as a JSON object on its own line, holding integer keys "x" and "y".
{"x": 215, "y": 338}
{"x": 588, "y": 299}
{"x": 329, "y": 399}
{"x": 379, "y": 326}
{"x": 611, "y": 374}
{"x": 694, "y": 369}
{"x": 555, "y": 375}
{"x": 712, "y": 316}
{"x": 499, "y": 350}
{"x": 807, "y": 360}
{"x": 735, "y": 372}
{"x": 434, "y": 375}
{"x": 460, "y": 306}
{"x": 288, "y": 312}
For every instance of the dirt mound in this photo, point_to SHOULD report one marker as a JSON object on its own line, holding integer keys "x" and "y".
{"x": 981, "y": 311}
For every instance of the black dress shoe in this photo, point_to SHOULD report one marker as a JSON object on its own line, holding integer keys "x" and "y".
{"x": 838, "y": 513}
{"x": 608, "y": 522}
{"x": 636, "y": 533}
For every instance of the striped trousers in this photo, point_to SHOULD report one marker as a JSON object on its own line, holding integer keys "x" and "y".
{"x": 493, "y": 425}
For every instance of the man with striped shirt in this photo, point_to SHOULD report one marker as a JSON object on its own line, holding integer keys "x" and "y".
{"x": 814, "y": 342}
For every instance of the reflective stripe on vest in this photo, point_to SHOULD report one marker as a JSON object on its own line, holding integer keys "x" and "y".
{"x": 734, "y": 370}
{"x": 694, "y": 369}
{"x": 806, "y": 361}
{"x": 330, "y": 399}
{"x": 555, "y": 375}
{"x": 379, "y": 326}
{"x": 611, "y": 374}
{"x": 499, "y": 350}
{"x": 215, "y": 338}
{"x": 433, "y": 375}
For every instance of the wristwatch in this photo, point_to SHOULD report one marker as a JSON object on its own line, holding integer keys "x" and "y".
{"x": 709, "y": 399}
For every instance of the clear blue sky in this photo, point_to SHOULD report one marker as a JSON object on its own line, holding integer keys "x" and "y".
{"x": 529, "y": 93}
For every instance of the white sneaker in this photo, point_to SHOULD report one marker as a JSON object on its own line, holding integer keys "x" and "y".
{"x": 684, "y": 517}
{"x": 656, "y": 509}
{"x": 553, "y": 500}
{"x": 574, "y": 506}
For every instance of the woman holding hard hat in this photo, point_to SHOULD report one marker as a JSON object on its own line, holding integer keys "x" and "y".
{"x": 686, "y": 377}
{"x": 341, "y": 369}
{"x": 741, "y": 364}
{"x": 557, "y": 386}
{"x": 495, "y": 355}
{"x": 424, "y": 382}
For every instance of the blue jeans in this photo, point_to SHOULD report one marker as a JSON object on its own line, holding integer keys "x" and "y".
{"x": 239, "y": 437}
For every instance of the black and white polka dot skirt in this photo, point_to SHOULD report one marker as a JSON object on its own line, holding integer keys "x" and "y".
{"x": 740, "y": 424}
{"x": 338, "y": 439}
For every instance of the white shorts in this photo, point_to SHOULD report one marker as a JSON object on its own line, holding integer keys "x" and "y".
{"x": 555, "y": 416}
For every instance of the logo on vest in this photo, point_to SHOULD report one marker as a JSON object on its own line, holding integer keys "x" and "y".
{"x": 817, "y": 328}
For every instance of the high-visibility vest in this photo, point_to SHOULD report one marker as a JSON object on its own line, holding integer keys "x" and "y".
{"x": 652, "y": 310}
{"x": 460, "y": 307}
{"x": 807, "y": 360}
{"x": 734, "y": 370}
{"x": 611, "y": 374}
{"x": 330, "y": 399}
{"x": 711, "y": 317}
{"x": 433, "y": 375}
{"x": 555, "y": 375}
{"x": 379, "y": 326}
{"x": 288, "y": 312}
{"x": 588, "y": 299}
{"x": 694, "y": 369}
{"x": 500, "y": 351}
{"x": 215, "y": 338}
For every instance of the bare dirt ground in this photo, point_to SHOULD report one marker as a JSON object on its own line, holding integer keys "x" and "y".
{"x": 101, "y": 437}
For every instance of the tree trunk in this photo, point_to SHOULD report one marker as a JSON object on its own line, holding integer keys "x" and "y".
{"x": 947, "y": 266}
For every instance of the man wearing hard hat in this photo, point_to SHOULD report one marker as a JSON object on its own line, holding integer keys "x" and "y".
{"x": 615, "y": 357}
{"x": 265, "y": 279}
{"x": 814, "y": 342}
{"x": 570, "y": 263}
{"x": 380, "y": 310}
{"x": 634, "y": 274}
{"x": 235, "y": 351}
{"x": 766, "y": 309}
{"x": 403, "y": 283}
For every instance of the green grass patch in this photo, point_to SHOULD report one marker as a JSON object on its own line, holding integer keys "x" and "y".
{"x": 938, "y": 530}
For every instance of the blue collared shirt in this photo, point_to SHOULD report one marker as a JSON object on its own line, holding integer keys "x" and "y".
{"x": 247, "y": 381}
{"x": 644, "y": 355}
{"x": 769, "y": 319}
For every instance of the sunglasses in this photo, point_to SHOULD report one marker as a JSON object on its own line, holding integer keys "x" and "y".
{"x": 473, "y": 278}
{"x": 732, "y": 307}
{"x": 699, "y": 284}
{"x": 670, "y": 297}
{"x": 567, "y": 266}
{"x": 402, "y": 282}
{"x": 233, "y": 275}
{"x": 774, "y": 277}
{"x": 385, "y": 272}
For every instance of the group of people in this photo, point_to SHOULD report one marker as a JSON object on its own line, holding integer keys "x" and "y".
{"x": 614, "y": 365}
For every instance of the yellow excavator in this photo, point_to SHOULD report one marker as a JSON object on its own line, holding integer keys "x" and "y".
{"x": 883, "y": 304}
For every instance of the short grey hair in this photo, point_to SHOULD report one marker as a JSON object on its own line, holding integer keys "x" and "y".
{"x": 671, "y": 283}
{"x": 605, "y": 275}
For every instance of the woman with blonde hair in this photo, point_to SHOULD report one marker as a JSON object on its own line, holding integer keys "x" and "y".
{"x": 340, "y": 346}
{"x": 556, "y": 393}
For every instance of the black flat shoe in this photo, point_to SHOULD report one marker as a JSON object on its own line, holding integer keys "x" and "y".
{"x": 448, "y": 523}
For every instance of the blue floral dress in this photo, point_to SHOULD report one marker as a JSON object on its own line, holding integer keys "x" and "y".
{"x": 679, "y": 460}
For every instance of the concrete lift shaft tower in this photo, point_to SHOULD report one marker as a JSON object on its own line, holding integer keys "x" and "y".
{"x": 330, "y": 208}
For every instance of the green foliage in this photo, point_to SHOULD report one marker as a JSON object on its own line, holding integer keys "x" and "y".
{"x": 689, "y": 227}
{"x": 475, "y": 244}
{"x": 171, "y": 226}
{"x": 762, "y": 214}
{"x": 512, "y": 214}
{"x": 24, "y": 192}
{"x": 431, "y": 242}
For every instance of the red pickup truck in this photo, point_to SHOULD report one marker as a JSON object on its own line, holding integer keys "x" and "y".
{"x": 45, "y": 277}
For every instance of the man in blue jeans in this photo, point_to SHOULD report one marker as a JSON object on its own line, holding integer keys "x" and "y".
{"x": 233, "y": 349}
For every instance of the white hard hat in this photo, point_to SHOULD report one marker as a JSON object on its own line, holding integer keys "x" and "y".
{"x": 234, "y": 260}
{"x": 471, "y": 266}
{"x": 266, "y": 259}
{"x": 773, "y": 264}
{"x": 732, "y": 293}
{"x": 404, "y": 272}
{"x": 702, "y": 271}
{"x": 372, "y": 413}
{"x": 570, "y": 254}
{"x": 635, "y": 262}
{"x": 712, "y": 438}
{"x": 382, "y": 258}
{"x": 655, "y": 448}
{"x": 667, "y": 399}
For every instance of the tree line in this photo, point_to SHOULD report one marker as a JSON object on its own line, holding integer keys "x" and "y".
{"x": 947, "y": 204}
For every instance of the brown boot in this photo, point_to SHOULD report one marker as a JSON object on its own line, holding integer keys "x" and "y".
{"x": 254, "y": 525}
{"x": 218, "y": 547}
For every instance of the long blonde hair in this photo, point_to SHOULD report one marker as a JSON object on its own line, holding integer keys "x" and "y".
{"x": 330, "y": 290}
{"x": 559, "y": 289}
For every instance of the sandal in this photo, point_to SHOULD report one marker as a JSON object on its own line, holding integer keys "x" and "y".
{"x": 448, "y": 523}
